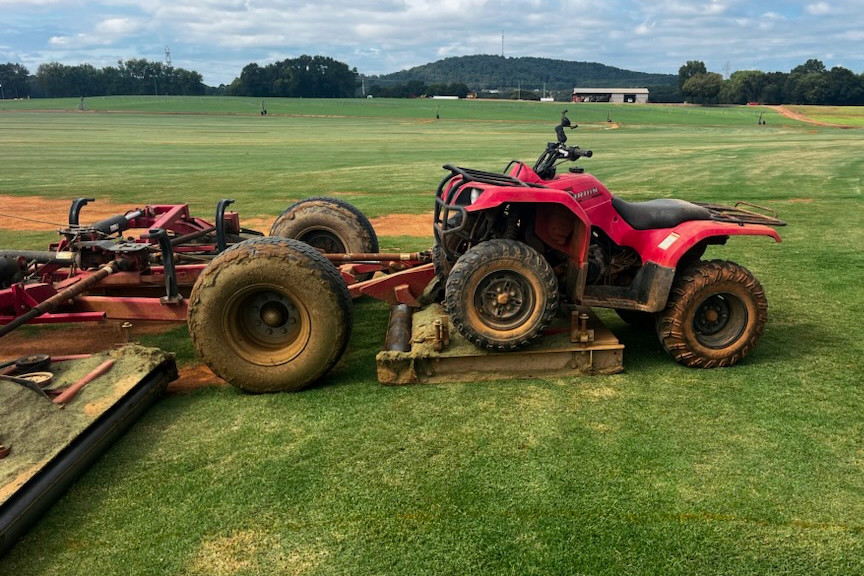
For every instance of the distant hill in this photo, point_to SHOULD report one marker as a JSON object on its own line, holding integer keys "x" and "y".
{"x": 485, "y": 72}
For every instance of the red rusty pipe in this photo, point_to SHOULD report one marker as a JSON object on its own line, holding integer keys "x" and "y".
{"x": 60, "y": 298}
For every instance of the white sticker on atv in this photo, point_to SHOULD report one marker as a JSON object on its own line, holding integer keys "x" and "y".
{"x": 668, "y": 241}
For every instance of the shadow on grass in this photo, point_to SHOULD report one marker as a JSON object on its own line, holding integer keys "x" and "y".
{"x": 781, "y": 342}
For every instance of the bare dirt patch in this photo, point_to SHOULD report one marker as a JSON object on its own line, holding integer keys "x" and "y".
{"x": 39, "y": 214}
{"x": 418, "y": 225}
{"x": 260, "y": 223}
{"x": 194, "y": 376}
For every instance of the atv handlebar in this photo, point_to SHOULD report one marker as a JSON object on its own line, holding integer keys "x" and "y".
{"x": 556, "y": 153}
{"x": 574, "y": 153}
{"x": 567, "y": 153}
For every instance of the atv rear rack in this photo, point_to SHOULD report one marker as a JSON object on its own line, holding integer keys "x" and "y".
{"x": 737, "y": 215}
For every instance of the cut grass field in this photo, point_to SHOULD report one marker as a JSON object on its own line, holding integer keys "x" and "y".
{"x": 757, "y": 469}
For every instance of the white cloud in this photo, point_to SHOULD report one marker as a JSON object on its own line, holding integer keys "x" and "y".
{"x": 854, "y": 35}
{"x": 117, "y": 27}
{"x": 643, "y": 29}
{"x": 218, "y": 37}
{"x": 819, "y": 8}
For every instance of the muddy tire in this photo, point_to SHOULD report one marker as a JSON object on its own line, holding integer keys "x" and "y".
{"x": 501, "y": 295}
{"x": 440, "y": 264}
{"x": 329, "y": 224}
{"x": 715, "y": 314}
{"x": 270, "y": 315}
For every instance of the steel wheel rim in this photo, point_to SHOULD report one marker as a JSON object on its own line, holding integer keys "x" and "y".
{"x": 504, "y": 299}
{"x": 324, "y": 239}
{"x": 268, "y": 326}
{"x": 720, "y": 320}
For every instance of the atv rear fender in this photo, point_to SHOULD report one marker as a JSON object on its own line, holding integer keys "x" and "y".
{"x": 664, "y": 252}
{"x": 668, "y": 246}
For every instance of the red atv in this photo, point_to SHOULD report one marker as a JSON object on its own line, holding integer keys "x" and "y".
{"x": 511, "y": 249}
{"x": 512, "y": 246}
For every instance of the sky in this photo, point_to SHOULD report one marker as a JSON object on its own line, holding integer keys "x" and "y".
{"x": 219, "y": 37}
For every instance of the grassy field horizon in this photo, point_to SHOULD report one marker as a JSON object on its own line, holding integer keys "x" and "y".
{"x": 752, "y": 470}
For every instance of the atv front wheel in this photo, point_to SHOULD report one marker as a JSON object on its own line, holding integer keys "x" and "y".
{"x": 501, "y": 294}
{"x": 715, "y": 315}
{"x": 269, "y": 315}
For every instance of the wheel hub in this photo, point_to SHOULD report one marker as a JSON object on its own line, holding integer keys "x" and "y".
{"x": 720, "y": 320}
{"x": 324, "y": 240}
{"x": 273, "y": 315}
{"x": 271, "y": 318}
{"x": 504, "y": 299}
{"x": 712, "y": 315}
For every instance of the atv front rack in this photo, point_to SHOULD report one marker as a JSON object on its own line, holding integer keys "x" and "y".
{"x": 737, "y": 215}
{"x": 450, "y": 213}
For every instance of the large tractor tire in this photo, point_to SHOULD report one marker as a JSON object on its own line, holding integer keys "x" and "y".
{"x": 715, "y": 314}
{"x": 501, "y": 295}
{"x": 329, "y": 224}
{"x": 270, "y": 315}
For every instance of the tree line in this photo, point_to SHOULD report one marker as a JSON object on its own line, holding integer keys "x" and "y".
{"x": 808, "y": 83}
{"x": 324, "y": 77}
{"x": 303, "y": 77}
{"x": 129, "y": 77}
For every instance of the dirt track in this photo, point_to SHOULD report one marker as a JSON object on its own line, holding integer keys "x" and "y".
{"x": 787, "y": 113}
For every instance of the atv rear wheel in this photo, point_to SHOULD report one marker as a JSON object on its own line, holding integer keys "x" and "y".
{"x": 715, "y": 315}
{"x": 269, "y": 315}
{"x": 501, "y": 294}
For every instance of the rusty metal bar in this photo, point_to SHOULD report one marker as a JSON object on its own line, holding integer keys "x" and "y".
{"x": 376, "y": 257}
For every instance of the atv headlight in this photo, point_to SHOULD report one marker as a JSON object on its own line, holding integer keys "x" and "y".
{"x": 475, "y": 194}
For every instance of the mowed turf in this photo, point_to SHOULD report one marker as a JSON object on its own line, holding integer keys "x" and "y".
{"x": 756, "y": 469}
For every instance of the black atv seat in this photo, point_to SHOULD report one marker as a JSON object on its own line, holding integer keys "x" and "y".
{"x": 660, "y": 213}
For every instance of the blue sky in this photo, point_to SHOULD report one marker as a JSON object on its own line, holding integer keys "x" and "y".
{"x": 219, "y": 37}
